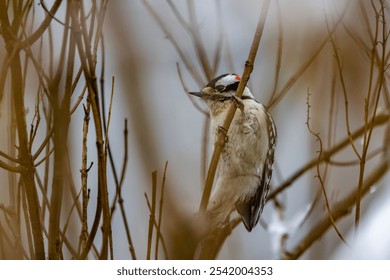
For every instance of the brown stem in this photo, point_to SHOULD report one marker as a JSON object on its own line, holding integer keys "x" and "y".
{"x": 61, "y": 118}
{"x": 27, "y": 177}
{"x": 152, "y": 214}
{"x": 229, "y": 116}
{"x": 339, "y": 210}
{"x": 84, "y": 177}
{"x": 326, "y": 155}
{"x": 42, "y": 28}
{"x": 83, "y": 47}
{"x": 160, "y": 211}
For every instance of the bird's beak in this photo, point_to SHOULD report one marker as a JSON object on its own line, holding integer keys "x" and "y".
{"x": 204, "y": 93}
{"x": 197, "y": 93}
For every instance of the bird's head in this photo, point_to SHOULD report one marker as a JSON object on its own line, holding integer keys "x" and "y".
{"x": 220, "y": 90}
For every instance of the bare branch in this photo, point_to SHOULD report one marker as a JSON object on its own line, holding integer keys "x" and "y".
{"x": 229, "y": 116}
{"x": 340, "y": 209}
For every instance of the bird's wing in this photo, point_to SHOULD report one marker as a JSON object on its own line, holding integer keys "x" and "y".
{"x": 251, "y": 209}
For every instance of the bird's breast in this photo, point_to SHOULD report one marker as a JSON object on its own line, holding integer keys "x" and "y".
{"x": 246, "y": 146}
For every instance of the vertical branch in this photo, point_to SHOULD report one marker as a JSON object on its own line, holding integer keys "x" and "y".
{"x": 161, "y": 237}
{"x": 118, "y": 181}
{"x": 23, "y": 202}
{"x": 12, "y": 180}
{"x": 279, "y": 54}
{"x": 160, "y": 211}
{"x": 380, "y": 18}
{"x": 120, "y": 198}
{"x": 344, "y": 90}
{"x": 109, "y": 112}
{"x": 106, "y": 130}
{"x": 92, "y": 92}
{"x": 152, "y": 214}
{"x": 205, "y": 148}
{"x": 27, "y": 177}
{"x": 229, "y": 116}
{"x": 61, "y": 118}
{"x": 366, "y": 116}
{"x": 84, "y": 177}
{"x": 318, "y": 175}
{"x": 340, "y": 210}
{"x": 199, "y": 47}
{"x": 305, "y": 65}
{"x": 190, "y": 67}
{"x": 88, "y": 66}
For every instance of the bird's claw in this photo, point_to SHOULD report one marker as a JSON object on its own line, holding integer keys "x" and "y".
{"x": 238, "y": 102}
{"x": 223, "y": 130}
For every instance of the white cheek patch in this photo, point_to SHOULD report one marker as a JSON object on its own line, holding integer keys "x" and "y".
{"x": 229, "y": 79}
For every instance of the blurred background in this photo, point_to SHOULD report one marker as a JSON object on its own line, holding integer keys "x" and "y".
{"x": 321, "y": 69}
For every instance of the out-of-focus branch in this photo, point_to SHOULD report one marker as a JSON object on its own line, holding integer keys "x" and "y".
{"x": 10, "y": 168}
{"x": 158, "y": 233}
{"x": 277, "y": 97}
{"x": 340, "y": 209}
{"x": 326, "y": 155}
{"x": 61, "y": 121}
{"x": 160, "y": 211}
{"x": 152, "y": 214}
{"x": 198, "y": 43}
{"x": 319, "y": 175}
{"x": 27, "y": 177}
{"x": 212, "y": 243}
{"x": 371, "y": 109}
{"x": 42, "y": 28}
{"x": 168, "y": 34}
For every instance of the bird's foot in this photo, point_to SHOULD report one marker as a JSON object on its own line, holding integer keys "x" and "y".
{"x": 223, "y": 130}
{"x": 238, "y": 102}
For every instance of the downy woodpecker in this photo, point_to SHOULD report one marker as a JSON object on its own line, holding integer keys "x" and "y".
{"x": 245, "y": 165}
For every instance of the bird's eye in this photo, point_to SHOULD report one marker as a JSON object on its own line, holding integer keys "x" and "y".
{"x": 220, "y": 88}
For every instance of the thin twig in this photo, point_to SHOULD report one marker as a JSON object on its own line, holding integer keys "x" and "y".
{"x": 198, "y": 43}
{"x": 319, "y": 176}
{"x": 36, "y": 164}
{"x": 84, "y": 177}
{"x": 26, "y": 220}
{"x": 279, "y": 54}
{"x": 378, "y": 120}
{"x": 305, "y": 65}
{"x": 349, "y": 163}
{"x": 190, "y": 67}
{"x": 185, "y": 88}
{"x": 27, "y": 177}
{"x": 161, "y": 237}
{"x": 380, "y": 17}
{"x": 340, "y": 209}
{"x": 67, "y": 223}
{"x": 119, "y": 194}
{"x": 160, "y": 211}
{"x": 109, "y": 111}
{"x": 178, "y": 16}
{"x": 343, "y": 87}
{"x": 42, "y": 28}
{"x": 88, "y": 66}
{"x": 152, "y": 214}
